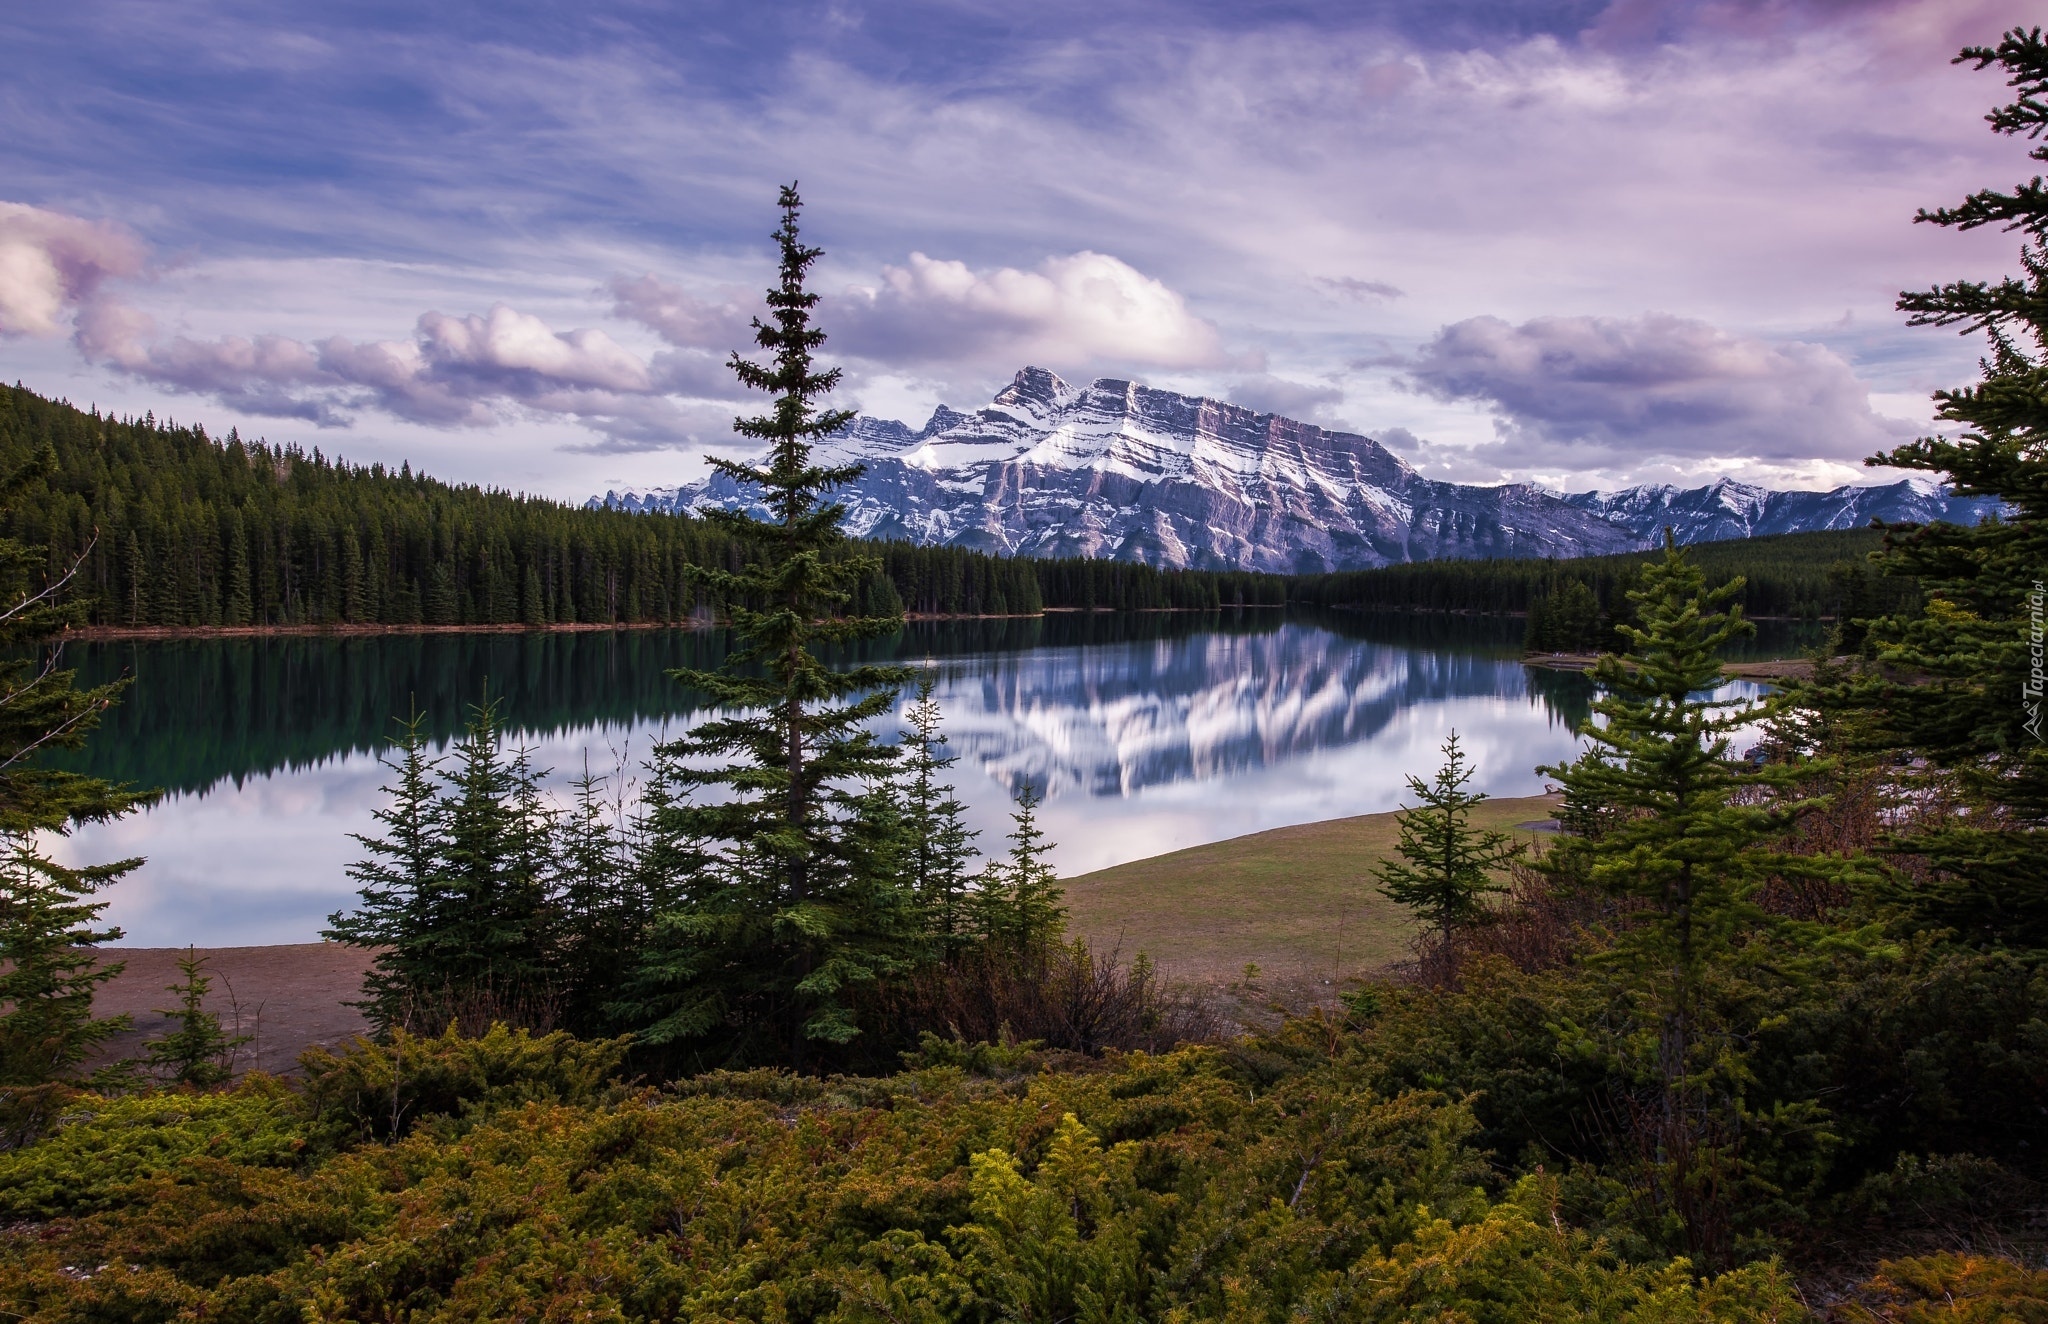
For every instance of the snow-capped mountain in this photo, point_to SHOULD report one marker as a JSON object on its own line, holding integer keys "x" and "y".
{"x": 1729, "y": 509}
{"x": 1122, "y": 471}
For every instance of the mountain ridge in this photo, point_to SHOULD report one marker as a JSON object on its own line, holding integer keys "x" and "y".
{"x": 1123, "y": 471}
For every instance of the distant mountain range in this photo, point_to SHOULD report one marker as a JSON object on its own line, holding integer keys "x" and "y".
{"x": 1122, "y": 471}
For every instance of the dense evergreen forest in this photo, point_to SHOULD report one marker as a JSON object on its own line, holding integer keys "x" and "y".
{"x": 190, "y": 530}
{"x": 1810, "y": 576}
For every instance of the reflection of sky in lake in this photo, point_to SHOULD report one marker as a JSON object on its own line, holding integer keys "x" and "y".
{"x": 1142, "y": 747}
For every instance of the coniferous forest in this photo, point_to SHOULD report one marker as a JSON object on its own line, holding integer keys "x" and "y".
{"x": 179, "y": 529}
{"x": 1761, "y": 1034}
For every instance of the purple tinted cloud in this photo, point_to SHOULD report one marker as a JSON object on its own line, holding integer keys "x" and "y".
{"x": 51, "y": 263}
{"x": 1600, "y": 390}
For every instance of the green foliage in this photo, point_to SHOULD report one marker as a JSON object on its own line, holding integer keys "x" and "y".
{"x": 1803, "y": 575}
{"x": 1448, "y": 867}
{"x": 106, "y": 1152}
{"x": 199, "y": 1053}
{"x": 940, "y": 844}
{"x": 1961, "y": 685}
{"x": 1953, "y": 1289}
{"x": 796, "y": 902}
{"x": 1017, "y": 901}
{"x": 382, "y": 1090}
{"x": 1172, "y": 1187}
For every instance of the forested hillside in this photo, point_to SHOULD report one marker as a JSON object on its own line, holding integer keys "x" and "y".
{"x": 184, "y": 529}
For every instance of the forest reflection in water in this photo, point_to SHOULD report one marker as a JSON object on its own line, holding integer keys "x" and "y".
{"x": 1147, "y": 731}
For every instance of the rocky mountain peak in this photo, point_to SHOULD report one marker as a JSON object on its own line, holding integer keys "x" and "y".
{"x": 1034, "y": 392}
{"x": 1123, "y": 471}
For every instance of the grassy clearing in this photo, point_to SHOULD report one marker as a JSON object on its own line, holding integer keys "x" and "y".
{"x": 1298, "y": 901}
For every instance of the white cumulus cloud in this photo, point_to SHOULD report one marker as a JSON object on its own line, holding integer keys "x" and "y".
{"x": 1083, "y": 308}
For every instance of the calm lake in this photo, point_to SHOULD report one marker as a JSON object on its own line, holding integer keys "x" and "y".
{"x": 1146, "y": 732}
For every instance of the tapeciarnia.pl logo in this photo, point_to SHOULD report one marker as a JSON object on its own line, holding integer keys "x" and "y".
{"x": 2030, "y": 689}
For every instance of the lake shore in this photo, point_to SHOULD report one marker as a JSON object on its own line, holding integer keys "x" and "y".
{"x": 1299, "y": 902}
{"x": 1782, "y": 668}
{"x": 343, "y": 630}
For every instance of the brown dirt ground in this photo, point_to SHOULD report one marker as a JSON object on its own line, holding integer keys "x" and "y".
{"x": 290, "y": 997}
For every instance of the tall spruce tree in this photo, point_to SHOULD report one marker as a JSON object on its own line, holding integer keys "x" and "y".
{"x": 1668, "y": 822}
{"x": 602, "y": 899}
{"x": 939, "y": 843}
{"x": 398, "y": 885}
{"x": 48, "y": 969}
{"x": 1669, "y": 819}
{"x": 797, "y": 905}
{"x": 1961, "y": 683}
{"x": 492, "y": 925}
{"x": 1447, "y": 867}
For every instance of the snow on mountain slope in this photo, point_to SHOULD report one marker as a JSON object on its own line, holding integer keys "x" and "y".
{"x": 1126, "y": 472}
{"x": 1729, "y": 509}
{"x": 1121, "y": 471}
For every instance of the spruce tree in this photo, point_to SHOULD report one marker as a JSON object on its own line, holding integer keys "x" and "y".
{"x": 1447, "y": 867}
{"x": 1019, "y": 908}
{"x": 1961, "y": 683}
{"x": 48, "y": 970}
{"x": 199, "y": 1053}
{"x": 459, "y": 893}
{"x": 399, "y": 885}
{"x": 1670, "y": 820}
{"x": 602, "y": 899}
{"x": 491, "y": 926}
{"x": 1679, "y": 832}
{"x": 794, "y": 909}
{"x": 939, "y": 842}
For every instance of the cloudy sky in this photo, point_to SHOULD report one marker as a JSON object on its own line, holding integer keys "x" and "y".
{"x": 1581, "y": 242}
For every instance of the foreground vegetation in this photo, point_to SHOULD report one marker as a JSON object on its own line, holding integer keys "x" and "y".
{"x": 1762, "y": 1036}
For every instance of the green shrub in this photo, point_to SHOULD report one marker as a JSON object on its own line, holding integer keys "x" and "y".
{"x": 380, "y": 1091}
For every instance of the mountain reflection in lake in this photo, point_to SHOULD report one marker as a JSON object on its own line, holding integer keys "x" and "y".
{"x": 1147, "y": 732}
